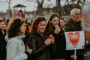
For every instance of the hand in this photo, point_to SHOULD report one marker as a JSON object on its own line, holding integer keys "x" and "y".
{"x": 74, "y": 57}
{"x": 48, "y": 41}
{"x": 29, "y": 50}
{"x": 57, "y": 29}
{"x": 52, "y": 38}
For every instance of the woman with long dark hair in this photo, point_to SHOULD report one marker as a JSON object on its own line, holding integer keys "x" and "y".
{"x": 15, "y": 45}
{"x": 54, "y": 28}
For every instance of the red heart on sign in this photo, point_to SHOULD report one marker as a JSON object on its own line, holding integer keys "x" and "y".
{"x": 74, "y": 37}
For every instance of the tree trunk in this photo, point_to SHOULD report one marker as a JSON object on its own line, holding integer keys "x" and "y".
{"x": 58, "y": 7}
{"x": 40, "y": 8}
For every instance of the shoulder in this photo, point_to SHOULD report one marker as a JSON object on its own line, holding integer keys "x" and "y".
{"x": 13, "y": 40}
{"x": 69, "y": 21}
{"x": 68, "y": 24}
{"x": 30, "y": 36}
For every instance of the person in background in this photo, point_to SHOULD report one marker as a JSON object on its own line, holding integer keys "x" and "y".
{"x": 2, "y": 40}
{"x": 62, "y": 22}
{"x": 54, "y": 28}
{"x": 39, "y": 42}
{"x": 15, "y": 46}
{"x": 74, "y": 24}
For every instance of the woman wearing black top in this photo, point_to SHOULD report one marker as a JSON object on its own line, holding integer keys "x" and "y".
{"x": 38, "y": 41}
{"x": 54, "y": 28}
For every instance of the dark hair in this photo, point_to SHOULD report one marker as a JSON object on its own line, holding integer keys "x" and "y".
{"x": 62, "y": 19}
{"x": 52, "y": 16}
{"x": 36, "y": 22}
{"x": 14, "y": 28}
{"x": 50, "y": 29}
{"x": 1, "y": 21}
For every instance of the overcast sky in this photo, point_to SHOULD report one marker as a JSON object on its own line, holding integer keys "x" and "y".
{"x": 30, "y": 5}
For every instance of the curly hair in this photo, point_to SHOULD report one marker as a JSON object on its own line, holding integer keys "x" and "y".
{"x": 14, "y": 29}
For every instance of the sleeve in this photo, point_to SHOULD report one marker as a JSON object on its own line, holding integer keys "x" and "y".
{"x": 37, "y": 51}
{"x": 12, "y": 54}
{"x": 32, "y": 44}
{"x": 68, "y": 27}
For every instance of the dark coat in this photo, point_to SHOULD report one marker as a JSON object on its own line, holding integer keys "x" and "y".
{"x": 74, "y": 26}
{"x": 40, "y": 51}
{"x": 60, "y": 51}
{"x": 60, "y": 43}
{"x": 2, "y": 46}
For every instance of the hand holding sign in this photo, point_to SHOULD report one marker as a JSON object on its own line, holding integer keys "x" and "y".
{"x": 74, "y": 38}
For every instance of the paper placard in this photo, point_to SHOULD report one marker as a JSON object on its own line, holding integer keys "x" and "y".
{"x": 73, "y": 39}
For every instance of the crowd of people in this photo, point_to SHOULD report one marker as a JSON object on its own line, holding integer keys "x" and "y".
{"x": 41, "y": 39}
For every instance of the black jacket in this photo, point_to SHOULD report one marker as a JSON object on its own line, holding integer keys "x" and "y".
{"x": 60, "y": 51}
{"x": 2, "y": 46}
{"x": 39, "y": 50}
{"x": 72, "y": 26}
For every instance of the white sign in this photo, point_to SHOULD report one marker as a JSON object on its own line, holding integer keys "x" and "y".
{"x": 75, "y": 40}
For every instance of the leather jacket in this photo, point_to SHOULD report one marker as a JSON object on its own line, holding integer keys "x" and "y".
{"x": 40, "y": 51}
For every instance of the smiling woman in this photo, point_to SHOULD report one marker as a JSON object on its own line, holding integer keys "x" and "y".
{"x": 37, "y": 40}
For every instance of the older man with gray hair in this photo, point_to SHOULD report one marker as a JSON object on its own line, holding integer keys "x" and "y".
{"x": 75, "y": 14}
{"x": 74, "y": 24}
{"x": 74, "y": 11}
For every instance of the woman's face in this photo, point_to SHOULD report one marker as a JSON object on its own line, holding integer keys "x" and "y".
{"x": 62, "y": 22}
{"x": 55, "y": 21}
{"x": 41, "y": 26}
{"x": 2, "y": 25}
{"x": 23, "y": 28}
